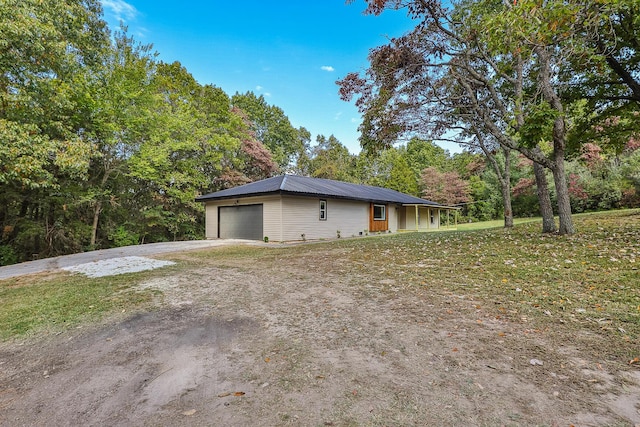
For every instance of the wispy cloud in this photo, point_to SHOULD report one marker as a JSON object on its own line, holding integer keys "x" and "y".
{"x": 120, "y": 9}
{"x": 328, "y": 68}
{"x": 337, "y": 116}
{"x": 260, "y": 89}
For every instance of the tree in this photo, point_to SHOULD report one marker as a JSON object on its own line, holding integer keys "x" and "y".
{"x": 270, "y": 126}
{"x": 446, "y": 188}
{"x": 422, "y": 154}
{"x": 332, "y": 160}
{"x": 49, "y": 52}
{"x": 450, "y": 75}
{"x": 46, "y": 47}
{"x": 606, "y": 73}
{"x": 120, "y": 114}
{"x": 302, "y": 159}
{"x": 390, "y": 169}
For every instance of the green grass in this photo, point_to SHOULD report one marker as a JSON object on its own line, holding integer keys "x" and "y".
{"x": 53, "y": 303}
{"x": 483, "y": 225}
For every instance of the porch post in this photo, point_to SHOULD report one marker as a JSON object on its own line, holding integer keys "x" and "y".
{"x": 417, "y": 213}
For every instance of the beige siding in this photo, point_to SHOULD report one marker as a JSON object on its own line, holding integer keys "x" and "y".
{"x": 287, "y": 218}
{"x": 423, "y": 219}
{"x": 435, "y": 213}
{"x": 271, "y": 211}
{"x": 301, "y": 215}
{"x": 211, "y": 220}
{"x": 411, "y": 220}
{"x": 393, "y": 212}
{"x": 402, "y": 218}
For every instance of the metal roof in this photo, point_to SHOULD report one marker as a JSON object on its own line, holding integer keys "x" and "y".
{"x": 295, "y": 185}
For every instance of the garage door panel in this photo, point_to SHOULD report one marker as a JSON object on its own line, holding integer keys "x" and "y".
{"x": 240, "y": 222}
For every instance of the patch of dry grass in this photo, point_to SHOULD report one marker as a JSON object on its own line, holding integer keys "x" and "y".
{"x": 587, "y": 281}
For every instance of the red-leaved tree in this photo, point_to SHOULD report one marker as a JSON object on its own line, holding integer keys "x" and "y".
{"x": 444, "y": 187}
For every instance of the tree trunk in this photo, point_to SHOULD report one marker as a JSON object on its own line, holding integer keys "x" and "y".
{"x": 559, "y": 140}
{"x": 96, "y": 217}
{"x": 562, "y": 192}
{"x": 505, "y": 185}
{"x": 546, "y": 210}
{"x": 504, "y": 176}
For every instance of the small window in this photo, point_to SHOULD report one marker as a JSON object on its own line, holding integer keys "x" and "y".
{"x": 379, "y": 212}
{"x": 323, "y": 210}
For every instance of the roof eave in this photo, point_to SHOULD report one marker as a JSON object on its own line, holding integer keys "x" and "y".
{"x": 237, "y": 196}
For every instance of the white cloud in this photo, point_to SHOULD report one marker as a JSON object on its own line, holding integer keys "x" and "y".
{"x": 120, "y": 9}
{"x": 328, "y": 68}
{"x": 260, "y": 89}
{"x": 337, "y": 116}
{"x": 355, "y": 120}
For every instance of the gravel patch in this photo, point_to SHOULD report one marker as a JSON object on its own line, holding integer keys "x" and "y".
{"x": 115, "y": 266}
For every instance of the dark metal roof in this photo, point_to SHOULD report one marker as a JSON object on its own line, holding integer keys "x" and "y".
{"x": 317, "y": 187}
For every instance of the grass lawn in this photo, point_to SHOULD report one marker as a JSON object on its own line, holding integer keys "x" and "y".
{"x": 54, "y": 302}
{"x": 566, "y": 284}
{"x": 590, "y": 280}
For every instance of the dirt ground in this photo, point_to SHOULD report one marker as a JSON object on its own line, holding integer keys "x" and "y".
{"x": 305, "y": 341}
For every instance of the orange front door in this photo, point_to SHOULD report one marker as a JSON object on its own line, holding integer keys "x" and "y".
{"x": 378, "y": 218}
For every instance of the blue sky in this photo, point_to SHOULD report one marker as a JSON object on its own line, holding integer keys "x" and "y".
{"x": 292, "y": 52}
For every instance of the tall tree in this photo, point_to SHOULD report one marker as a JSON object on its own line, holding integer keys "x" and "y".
{"x": 448, "y": 74}
{"x": 49, "y": 51}
{"x": 332, "y": 160}
{"x": 444, "y": 187}
{"x": 390, "y": 169}
{"x": 270, "y": 126}
{"x": 121, "y": 112}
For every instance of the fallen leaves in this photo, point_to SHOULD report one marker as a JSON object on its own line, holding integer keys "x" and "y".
{"x": 634, "y": 360}
{"x": 235, "y": 393}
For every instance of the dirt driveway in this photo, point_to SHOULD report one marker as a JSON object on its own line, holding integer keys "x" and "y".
{"x": 308, "y": 341}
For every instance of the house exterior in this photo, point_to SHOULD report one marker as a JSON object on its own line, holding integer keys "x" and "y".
{"x": 291, "y": 207}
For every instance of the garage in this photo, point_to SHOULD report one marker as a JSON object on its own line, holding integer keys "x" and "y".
{"x": 240, "y": 222}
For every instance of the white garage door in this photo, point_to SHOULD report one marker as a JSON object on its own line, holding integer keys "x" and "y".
{"x": 240, "y": 222}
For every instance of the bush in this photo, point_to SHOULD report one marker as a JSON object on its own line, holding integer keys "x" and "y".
{"x": 7, "y": 255}
{"x": 123, "y": 237}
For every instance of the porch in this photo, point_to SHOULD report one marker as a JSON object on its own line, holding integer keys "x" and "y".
{"x": 415, "y": 217}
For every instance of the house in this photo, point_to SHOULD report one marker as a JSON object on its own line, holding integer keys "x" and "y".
{"x": 291, "y": 207}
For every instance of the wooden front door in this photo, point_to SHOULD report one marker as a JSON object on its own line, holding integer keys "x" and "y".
{"x": 378, "y": 217}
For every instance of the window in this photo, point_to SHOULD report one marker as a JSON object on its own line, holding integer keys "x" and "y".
{"x": 379, "y": 212}
{"x": 323, "y": 210}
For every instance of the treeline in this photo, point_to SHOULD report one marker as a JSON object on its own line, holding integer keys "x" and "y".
{"x": 599, "y": 178}
{"x": 104, "y": 145}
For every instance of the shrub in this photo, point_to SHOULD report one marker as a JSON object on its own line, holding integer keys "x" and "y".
{"x": 7, "y": 255}
{"x": 123, "y": 237}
